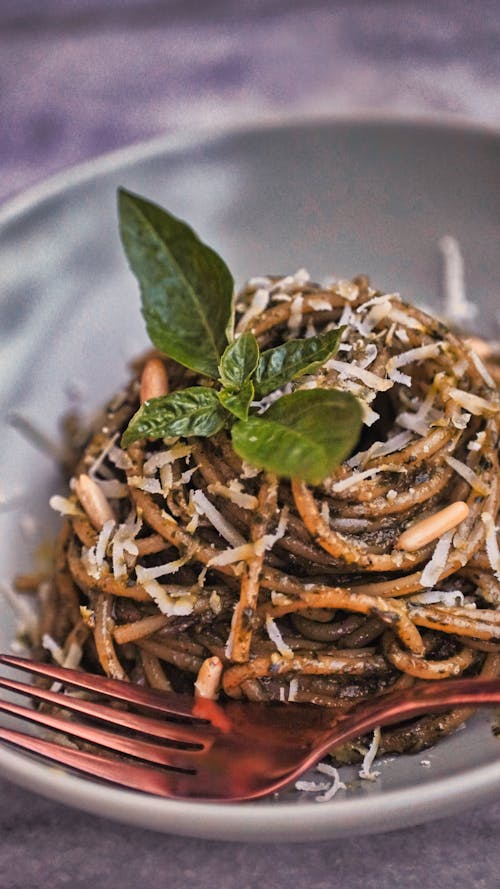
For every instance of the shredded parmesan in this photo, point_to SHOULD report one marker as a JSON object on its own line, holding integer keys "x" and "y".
{"x": 163, "y": 458}
{"x": 119, "y": 458}
{"x": 433, "y": 569}
{"x": 295, "y": 317}
{"x": 473, "y": 403}
{"x": 225, "y": 529}
{"x": 293, "y": 689}
{"x": 319, "y": 304}
{"x": 65, "y": 506}
{"x": 469, "y": 475}
{"x": 336, "y": 785}
{"x": 381, "y": 449}
{"x": 267, "y": 541}
{"x": 160, "y": 570}
{"x": 353, "y": 371}
{"x": 275, "y": 636}
{"x": 491, "y": 543}
{"x": 481, "y": 369}
{"x": 418, "y": 354}
{"x": 149, "y": 485}
{"x": 366, "y": 772}
{"x": 234, "y": 493}
{"x": 123, "y": 544}
{"x": 456, "y": 305}
{"x": 259, "y": 302}
{"x": 405, "y": 320}
{"x": 167, "y": 599}
{"x": 449, "y": 598}
{"x": 237, "y": 554}
{"x": 99, "y": 460}
{"x": 357, "y": 477}
{"x": 369, "y": 415}
{"x": 347, "y": 289}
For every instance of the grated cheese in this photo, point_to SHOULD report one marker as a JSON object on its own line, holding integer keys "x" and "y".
{"x": 449, "y": 598}
{"x": 150, "y": 485}
{"x": 347, "y": 289}
{"x": 167, "y": 598}
{"x": 369, "y": 415}
{"x": 402, "y": 335}
{"x": 478, "y": 442}
{"x": 236, "y": 554}
{"x": 418, "y": 354}
{"x": 123, "y": 543}
{"x": 366, "y": 772}
{"x": 99, "y": 460}
{"x": 163, "y": 458}
{"x": 119, "y": 458}
{"x": 336, "y": 785}
{"x": 405, "y": 320}
{"x": 65, "y": 506}
{"x": 456, "y": 305}
{"x": 481, "y": 369}
{"x": 293, "y": 689}
{"x": 226, "y": 530}
{"x": 432, "y": 571}
{"x": 371, "y": 353}
{"x": 259, "y": 302}
{"x": 469, "y": 475}
{"x": 275, "y": 636}
{"x": 491, "y": 543}
{"x": 295, "y": 317}
{"x": 357, "y": 477}
{"x": 267, "y": 541}
{"x": 381, "y": 449}
{"x": 353, "y": 371}
{"x": 319, "y": 304}
{"x": 160, "y": 570}
{"x": 473, "y": 403}
{"x": 234, "y": 492}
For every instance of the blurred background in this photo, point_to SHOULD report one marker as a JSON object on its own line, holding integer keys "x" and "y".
{"x": 82, "y": 77}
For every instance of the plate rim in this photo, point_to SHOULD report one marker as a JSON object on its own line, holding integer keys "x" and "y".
{"x": 79, "y": 173}
{"x": 281, "y": 820}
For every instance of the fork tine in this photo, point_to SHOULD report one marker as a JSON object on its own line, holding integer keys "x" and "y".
{"x": 162, "y": 702}
{"x": 130, "y": 775}
{"x": 197, "y": 734}
{"x": 165, "y": 756}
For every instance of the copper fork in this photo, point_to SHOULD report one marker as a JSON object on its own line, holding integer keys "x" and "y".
{"x": 199, "y": 749}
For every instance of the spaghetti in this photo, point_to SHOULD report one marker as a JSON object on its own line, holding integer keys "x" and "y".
{"x": 291, "y": 592}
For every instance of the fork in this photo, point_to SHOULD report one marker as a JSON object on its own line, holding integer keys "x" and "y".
{"x": 197, "y": 749}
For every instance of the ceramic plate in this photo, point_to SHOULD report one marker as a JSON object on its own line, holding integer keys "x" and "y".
{"x": 338, "y": 197}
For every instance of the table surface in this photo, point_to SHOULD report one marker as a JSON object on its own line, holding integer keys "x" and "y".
{"x": 82, "y": 77}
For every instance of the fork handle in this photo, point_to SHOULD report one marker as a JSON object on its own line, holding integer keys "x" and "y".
{"x": 414, "y": 702}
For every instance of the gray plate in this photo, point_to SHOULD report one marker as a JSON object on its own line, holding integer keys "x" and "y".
{"x": 338, "y": 197}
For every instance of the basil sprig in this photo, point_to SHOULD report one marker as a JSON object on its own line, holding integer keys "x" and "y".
{"x": 187, "y": 302}
{"x": 186, "y": 288}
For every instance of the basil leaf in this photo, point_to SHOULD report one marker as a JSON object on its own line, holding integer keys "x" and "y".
{"x": 239, "y": 361}
{"x": 293, "y": 358}
{"x": 302, "y": 435}
{"x": 194, "y": 411}
{"x": 238, "y": 402}
{"x": 186, "y": 288}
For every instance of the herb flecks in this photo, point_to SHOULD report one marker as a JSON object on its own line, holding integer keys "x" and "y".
{"x": 188, "y": 305}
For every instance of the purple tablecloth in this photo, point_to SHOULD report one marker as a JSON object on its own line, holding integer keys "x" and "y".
{"x": 81, "y": 78}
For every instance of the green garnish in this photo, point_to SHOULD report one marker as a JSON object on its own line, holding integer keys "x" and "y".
{"x": 187, "y": 302}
